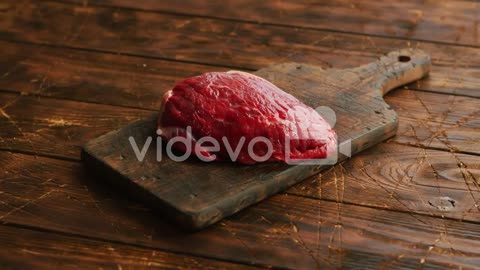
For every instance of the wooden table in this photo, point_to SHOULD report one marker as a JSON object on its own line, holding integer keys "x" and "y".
{"x": 72, "y": 70}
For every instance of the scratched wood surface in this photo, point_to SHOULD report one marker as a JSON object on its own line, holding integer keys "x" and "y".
{"x": 73, "y": 70}
{"x": 455, "y": 21}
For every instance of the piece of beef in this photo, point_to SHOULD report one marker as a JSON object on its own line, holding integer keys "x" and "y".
{"x": 229, "y": 106}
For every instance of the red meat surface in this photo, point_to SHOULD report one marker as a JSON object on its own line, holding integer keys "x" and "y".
{"x": 229, "y": 106}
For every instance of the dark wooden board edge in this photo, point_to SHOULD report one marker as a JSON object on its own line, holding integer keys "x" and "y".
{"x": 111, "y": 177}
{"x": 102, "y": 171}
{"x": 188, "y": 220}
{"x": 196, "y": 220}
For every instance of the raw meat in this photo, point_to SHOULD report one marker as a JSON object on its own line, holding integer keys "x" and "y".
{"x": 227, "y": 106}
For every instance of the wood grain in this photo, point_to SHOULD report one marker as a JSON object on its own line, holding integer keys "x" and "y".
{"x": 441, "y": 122}
{"x": 57, "y": 128}
{"x": 218, "y": 42}
{"x": 30, "y": 249}
{"x": 89, "y": 76}
{"x": 453, "y": 21}
{"x": 284, "y": 231}
{"x": 137, "y": 82}
{"x": 410, "y": 179}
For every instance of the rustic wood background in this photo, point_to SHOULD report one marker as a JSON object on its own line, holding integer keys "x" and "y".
{"x": 72, "y": 70}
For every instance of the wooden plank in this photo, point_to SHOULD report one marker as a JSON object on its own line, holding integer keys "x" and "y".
{"x": 138, "y": 82}
{"x": 400, "y": 178}
{"x": 28, "y": 249}
{"x": 284, "y": 231}
{"x": 441, "y": 21}
{"x": 89, "y": 76}
{"x": 56, "y": 127}
{"x": 437, "y": 121}
{"x": 227, "y": 43}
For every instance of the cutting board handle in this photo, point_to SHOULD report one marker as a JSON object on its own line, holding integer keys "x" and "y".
{"x": 396, "y": 68}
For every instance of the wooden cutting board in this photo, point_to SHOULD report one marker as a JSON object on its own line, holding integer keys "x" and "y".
{"x": 195, "y": 194}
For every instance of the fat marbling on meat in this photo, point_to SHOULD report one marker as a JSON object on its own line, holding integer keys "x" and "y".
{"x": 229, "y": 106}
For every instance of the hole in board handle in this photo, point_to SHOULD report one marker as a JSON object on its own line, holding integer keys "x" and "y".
{"x": 403, "y": 58}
